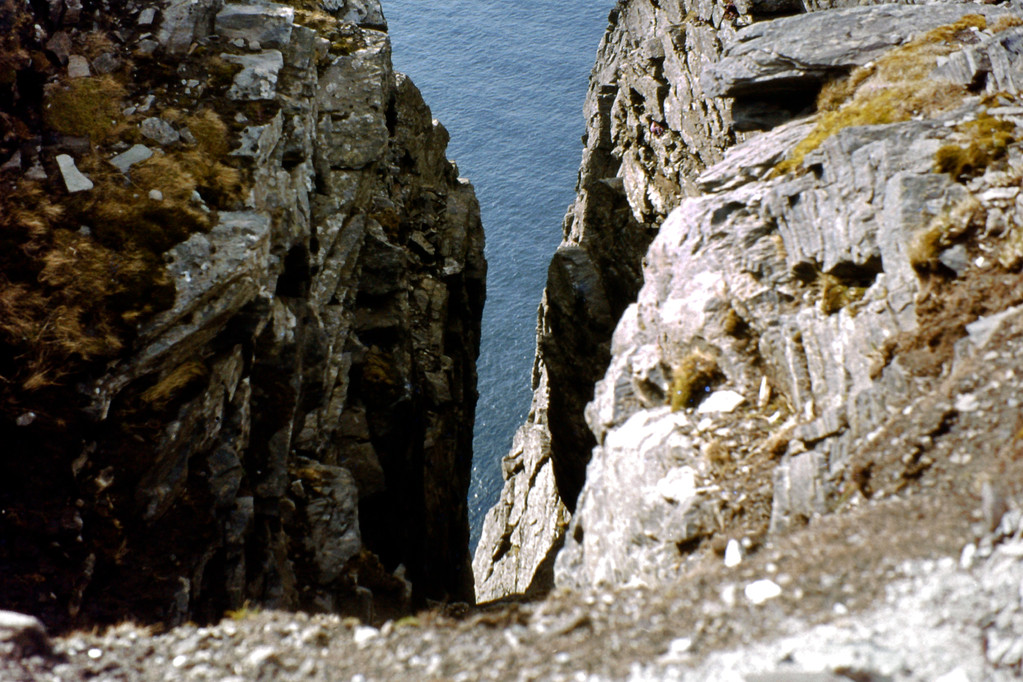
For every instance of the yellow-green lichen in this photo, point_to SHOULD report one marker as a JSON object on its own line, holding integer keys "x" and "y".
{"x": 836, "y": 294}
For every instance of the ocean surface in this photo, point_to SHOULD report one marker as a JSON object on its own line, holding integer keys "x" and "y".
{"x": 508, "y": 80}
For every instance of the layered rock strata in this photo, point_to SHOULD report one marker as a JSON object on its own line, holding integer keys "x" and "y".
{"x": 281, "y": 412}
{"x": 812, "y": 285}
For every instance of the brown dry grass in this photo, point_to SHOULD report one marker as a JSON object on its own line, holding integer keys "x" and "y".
{"x": 175, "y": 382}
{"x": 85, "y": 107}
{"x": 691, "y": 377}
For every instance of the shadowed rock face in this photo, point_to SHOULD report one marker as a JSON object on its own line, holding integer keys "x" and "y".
{"x": 291, "y": 421}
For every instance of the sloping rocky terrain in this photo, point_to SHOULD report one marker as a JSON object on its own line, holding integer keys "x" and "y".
{"x": 240, "y": 300}
{"x": 776, "y": 431}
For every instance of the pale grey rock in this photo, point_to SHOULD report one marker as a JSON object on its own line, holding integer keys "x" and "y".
{"x": 13, "y": 162}
{"x": 136, "y": 154}
{"x": 754, "y": 247}
{"x": 955, "y": 259}
{"x": 630, "y": 177}
{"x": 721, "y": 401}
{"x": 259, "y": 142}
{"x": 803, "y": 51}
{"x": 366, "y": 13}
{"x": 754, "y": 159}
{"x": 74, "y": 179}
{"x": 77, "y": 67}
{"x": 996, "y": 62}
{"x": 184, "y": 22}
{"x": 760, "y": 591}
{"x": 982, "y": 329}
{"x": 798, "y": 493}
{"x": 147, "y": 17}
{"x": 258, "y": 78}
{"x": 269, "y": 24}
{"x": 645, "y": 495}
{"x": 523, "y": 530}
{"x": 159, "y": 131}
{"x": 108, "y": 62}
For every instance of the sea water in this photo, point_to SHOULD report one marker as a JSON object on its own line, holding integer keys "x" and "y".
{"x": 508, "y": 80}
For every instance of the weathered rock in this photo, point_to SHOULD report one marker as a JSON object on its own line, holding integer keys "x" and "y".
{"x": 366, "y": 13}
{"x": 258, "y": 78}
{"x": 775, "y": 69}
{"x": 801, "y": 51}
{"x": 136, "y": 154}
{"x": 77, "y": 67}
{"x": 185, "y": 21}
{"x": 74, "y": 179}
{"x": 22, "y": 636}
{"x": 774, "y": 259}
{"x": 792, "y": 287}
{"x": 266, "y": 25}
{"x": 159, "y": 131}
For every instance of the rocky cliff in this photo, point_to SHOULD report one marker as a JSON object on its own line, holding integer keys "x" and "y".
{"x": 648, "y": 128}
{"x": 240, "y": 297}
{"x": 834, "y": 255}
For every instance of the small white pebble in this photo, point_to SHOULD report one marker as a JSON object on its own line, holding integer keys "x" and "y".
{"x": 728, "y": 595}
{"x": 156, "y": 195}
{"x": 179, "y": 661}
{"x": 760, "y": 591}
{"x": 733, "y": 554}
{"x": 678, "y": 650}
{"x": 840, "y": 609}
{"x": 954, "y": 675}
{"x": 94, "y": 653}
{"x": 363, "y": 634}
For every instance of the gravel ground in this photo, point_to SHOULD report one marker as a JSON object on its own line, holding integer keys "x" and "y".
{"x": 859, "y": 616}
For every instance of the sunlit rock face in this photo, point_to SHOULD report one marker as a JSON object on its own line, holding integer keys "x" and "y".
{"x": 778, "y": 239}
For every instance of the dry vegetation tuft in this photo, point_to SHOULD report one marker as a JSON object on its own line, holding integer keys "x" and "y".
{"x": 691, "y": 378}
{"x": 85, "y": 107}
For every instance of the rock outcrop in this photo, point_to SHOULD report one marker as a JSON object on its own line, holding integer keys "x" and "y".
{"x": 809, "y": 288}
{"x": 240, "y": 299}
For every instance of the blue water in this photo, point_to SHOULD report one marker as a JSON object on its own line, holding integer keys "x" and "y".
{"x": 508, "y": 80}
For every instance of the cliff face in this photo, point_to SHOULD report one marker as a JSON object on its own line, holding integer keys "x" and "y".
{"x": 240, "y": 297}
{"x": 807, "y": 319}
{"x": 649, "y": 129}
